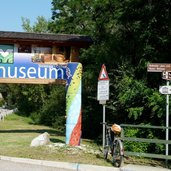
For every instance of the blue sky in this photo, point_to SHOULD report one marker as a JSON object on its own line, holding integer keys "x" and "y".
{"x": 12, "y": 10}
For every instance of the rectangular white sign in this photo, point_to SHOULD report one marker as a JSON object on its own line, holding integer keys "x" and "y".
{"x": 103, "y": 90}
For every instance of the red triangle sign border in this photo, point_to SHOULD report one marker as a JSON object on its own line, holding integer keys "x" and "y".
{"x": 103, "y": 73}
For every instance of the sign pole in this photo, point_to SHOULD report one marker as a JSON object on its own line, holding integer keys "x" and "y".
{"x": 165, "y": 68}
{"x": 167, "y": 123}
{"x": 104, "y": 113}
{"x": 103, "y": 94}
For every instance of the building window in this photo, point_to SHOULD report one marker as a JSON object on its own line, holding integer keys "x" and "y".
{"x": 66, "y": 50}
{"x": 43, "y": 50}
{"x": 24, "y": 49}
{"x": 42, "y": 54}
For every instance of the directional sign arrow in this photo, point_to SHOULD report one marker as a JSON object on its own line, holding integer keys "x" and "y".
{"x": 165, "y": 89}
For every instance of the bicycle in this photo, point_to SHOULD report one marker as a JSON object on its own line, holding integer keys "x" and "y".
{"x": 114, "y": 146}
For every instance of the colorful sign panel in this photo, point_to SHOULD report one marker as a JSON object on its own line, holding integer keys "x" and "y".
{"x": 6, "y": 54}
{"x": 73, "y": 105}
{"x": 28, "y": 66}
{"x": 21, "y": 65}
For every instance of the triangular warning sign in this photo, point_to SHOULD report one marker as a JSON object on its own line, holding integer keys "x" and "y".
{"x": 103, "y": 73}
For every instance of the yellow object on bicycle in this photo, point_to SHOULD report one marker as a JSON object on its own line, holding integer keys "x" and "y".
{"x": 116, "y": 129}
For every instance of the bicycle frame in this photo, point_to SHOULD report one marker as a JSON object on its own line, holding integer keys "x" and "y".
{"x": 113, "y": 144}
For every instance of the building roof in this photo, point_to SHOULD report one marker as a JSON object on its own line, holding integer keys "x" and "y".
{"x": 67, "y": 39}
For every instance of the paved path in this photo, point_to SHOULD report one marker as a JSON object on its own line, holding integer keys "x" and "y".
{"x": 131, "y": 167}
{"x": 15, "y": 166}
{"x": 23, "y": 164}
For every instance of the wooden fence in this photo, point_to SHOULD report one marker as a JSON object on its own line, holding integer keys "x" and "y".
{"x": 145, "y": 140}
{"x": 5, "y": 112}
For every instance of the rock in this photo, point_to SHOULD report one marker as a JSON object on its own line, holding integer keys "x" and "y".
{"x": 40, "y": 140}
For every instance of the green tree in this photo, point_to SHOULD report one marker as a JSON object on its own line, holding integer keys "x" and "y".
{"x": 71, "y": 16}
{"x": 43, "y": 103}
{"x": 40, "y": 26}
{"x": 29, "y": 98}
{"x": 127, "y": 35}
{"x": 52, "y": 113}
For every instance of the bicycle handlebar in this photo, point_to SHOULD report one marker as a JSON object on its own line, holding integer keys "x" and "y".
{"x": 106, "y": 124}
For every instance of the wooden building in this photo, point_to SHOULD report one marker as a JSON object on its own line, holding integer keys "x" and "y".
{"x": 32, "y": 58}
{"x": 47, "y": 47}
{"x": 41, "y": 51}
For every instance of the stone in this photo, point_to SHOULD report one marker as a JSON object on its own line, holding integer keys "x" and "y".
{"x": 42, "y": 139}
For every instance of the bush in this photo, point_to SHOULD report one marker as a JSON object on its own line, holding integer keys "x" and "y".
{"x": 2, "y": 102}
{"x": 53, "y": 110}
{"x": 134, "y": 146}
{"x": 59, "y": 124}
{"x": 143, "y": 147}
{"x": 35, "y": 116}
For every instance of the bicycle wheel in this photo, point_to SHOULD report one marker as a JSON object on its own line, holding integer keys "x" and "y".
{"x": 118, "y": 153}
{"x": 107, "y": 147}
{"x": 106, "y": 152}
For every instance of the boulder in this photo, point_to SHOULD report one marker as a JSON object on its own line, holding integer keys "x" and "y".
{"x": 42, "y": 139}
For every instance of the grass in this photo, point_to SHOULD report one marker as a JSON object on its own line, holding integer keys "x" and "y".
{"x": 17, "y": 132}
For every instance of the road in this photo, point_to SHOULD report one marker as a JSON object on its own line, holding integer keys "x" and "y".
{"x": 23, "y": 164}
{"x": 15, "y": 166}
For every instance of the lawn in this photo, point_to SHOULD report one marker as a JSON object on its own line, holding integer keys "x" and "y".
{"x": 17, "y": 132}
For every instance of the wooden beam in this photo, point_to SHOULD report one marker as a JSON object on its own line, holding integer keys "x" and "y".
{"x": 31, "y": 81}
{"x": 159, "y": 156}
{"x": 74, "y": 54}
{"x": 145, "y": 140}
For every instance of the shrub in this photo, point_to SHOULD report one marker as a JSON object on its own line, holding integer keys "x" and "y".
{"x": 134, "y": 146}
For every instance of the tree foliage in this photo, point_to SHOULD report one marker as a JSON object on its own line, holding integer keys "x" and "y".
{"x": 127, "y": 36}
{"x": 40, "y": 26}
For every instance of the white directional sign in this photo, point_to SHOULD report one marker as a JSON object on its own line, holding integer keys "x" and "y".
{"x": 166, "y": 75}
{"x": 165, "y": 89}
{"x": 103, "y": 90}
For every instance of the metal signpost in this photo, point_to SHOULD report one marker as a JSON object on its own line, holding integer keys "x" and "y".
{"x": 166, "y": 74}
{"x": 167, "y": 122}
{"x": 103, "y": 93}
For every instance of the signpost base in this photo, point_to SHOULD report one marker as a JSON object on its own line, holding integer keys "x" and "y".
{"x": 103, "y": 102}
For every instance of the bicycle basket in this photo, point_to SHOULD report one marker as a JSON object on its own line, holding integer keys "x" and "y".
{"x": 116, "y": 129}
